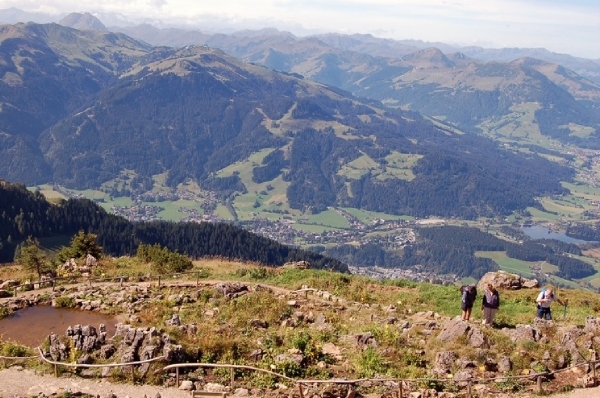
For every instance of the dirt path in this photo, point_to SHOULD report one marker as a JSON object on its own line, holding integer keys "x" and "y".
{"x": 19, "y": 382}
{"x": 16, "y": 382}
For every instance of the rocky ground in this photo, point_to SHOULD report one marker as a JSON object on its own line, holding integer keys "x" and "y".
{"x": 146, "y": 343}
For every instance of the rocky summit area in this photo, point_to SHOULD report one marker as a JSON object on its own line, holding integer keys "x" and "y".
{"x": 339, "y": 342}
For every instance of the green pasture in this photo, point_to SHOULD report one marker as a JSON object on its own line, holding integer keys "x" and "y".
{"x": 329, "y": 218}
{"x": 562, "y": 207}
{"x": 367, "y": 217}
{"x": 313, "y": 228}
{"x": 507, "y": 264}
{"x": 48, "y": 191}
{"x": 578, "y": 130}
{"x": 538, "y": 215}
{"x": 358, "y": 167}
{"x": 172, "y": 210}
{"x": 582, "y": 190}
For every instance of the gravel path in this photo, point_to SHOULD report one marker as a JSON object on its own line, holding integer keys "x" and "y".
{"x": 19, "y": 382}
{"x": 16, "y": 382}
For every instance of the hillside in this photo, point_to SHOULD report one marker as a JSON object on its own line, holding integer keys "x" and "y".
{"x": 194, "y": 112}
{"x": 234, "y": 140}
{"x": 476, "y": 94}
{"x": 26, "y": 214}
{"x": 308, "y": 324}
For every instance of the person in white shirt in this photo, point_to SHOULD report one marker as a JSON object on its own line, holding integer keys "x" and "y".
{"x": 544, "y": 301}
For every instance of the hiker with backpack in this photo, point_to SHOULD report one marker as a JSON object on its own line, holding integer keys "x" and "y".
{"x": 469, "y": 294}
{"x": 490, "y": 304}
{"x": 544, "y": 301}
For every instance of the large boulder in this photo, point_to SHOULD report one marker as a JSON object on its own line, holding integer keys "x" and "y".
{"x": 507, "y": 281}
{"x": 453, "y": 329}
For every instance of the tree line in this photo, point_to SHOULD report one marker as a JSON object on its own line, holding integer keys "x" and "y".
{"x": 26, "y": 213}
{"x": 451, "y": 250}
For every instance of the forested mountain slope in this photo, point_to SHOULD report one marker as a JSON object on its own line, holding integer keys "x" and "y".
{"x": 28, "y": 214}
{"x": 194, "y": 111}
{"x": 477, "y": 94}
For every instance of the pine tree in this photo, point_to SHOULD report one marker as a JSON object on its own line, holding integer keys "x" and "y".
{"x": 32, "y": 258}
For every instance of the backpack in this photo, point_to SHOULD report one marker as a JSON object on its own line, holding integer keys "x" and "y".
{"x": 469, "y": 292}
{"x": 543, "y": 292}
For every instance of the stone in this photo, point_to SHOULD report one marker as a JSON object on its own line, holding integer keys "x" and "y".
{"x": 174, "y": 321}
{"x": 504, "y": 364}
{"x": 364, "y": 339}
{"x": 444, "y": 361}
{"x": 259, "y": 324}
{"x": 332, "y": 350}
{"x": 477, "y": 339}
{"x": 523, "y": 333}
{"x": 453, "y": 329}
{"x": 106, "y": 351}
{"x": 506, "y": 280}
{"x": 295, "y": 358}
{"x": 241, "y": 392}
{"x": 186, "y": 385}
{"x": 296, "y": 265}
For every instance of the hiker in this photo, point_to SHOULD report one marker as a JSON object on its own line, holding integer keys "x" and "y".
{"x": 469, "y": 294}
{"x": 490, "y": 304}
{"x": 544, "y": 300}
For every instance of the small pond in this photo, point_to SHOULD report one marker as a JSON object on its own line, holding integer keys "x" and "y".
{"x": 32, "y": 325}
{"x": 537, "y": 232}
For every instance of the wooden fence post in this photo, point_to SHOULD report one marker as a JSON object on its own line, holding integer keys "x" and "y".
{"x": 159, "y": 281}
{"x": 177, "y": 377}
{"x": 594, "y": 360}
{"x": 232, "y": 376}
{"x": 469, "y": 384}
{"x": 121, "y": 282}
{"x": 197, "y": 278}
{"x": 400, "y": 392}
{"x": 300, "y": 390}
{"x": 539, "y": 384}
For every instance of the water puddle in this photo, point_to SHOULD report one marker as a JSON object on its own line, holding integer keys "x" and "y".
{"x": 32, "y": 325}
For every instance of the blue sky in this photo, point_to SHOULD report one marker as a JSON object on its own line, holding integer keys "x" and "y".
{"x": 563, "y": 26}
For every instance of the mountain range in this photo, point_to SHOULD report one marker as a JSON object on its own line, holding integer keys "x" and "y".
{"x": 81, "y": 107}
{"x": 271, "y": 125}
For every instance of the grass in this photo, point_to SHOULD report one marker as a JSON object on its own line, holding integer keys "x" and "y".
{"x": 508, "y": 264}
{"x": 275, "y": 320}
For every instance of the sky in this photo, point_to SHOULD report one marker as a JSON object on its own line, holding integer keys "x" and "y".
{"x": 562, "y": 26}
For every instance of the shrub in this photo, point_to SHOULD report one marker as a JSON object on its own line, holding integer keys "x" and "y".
{"x": 163, "y": 260}
{"x": 370, "y": 363}
{"x": 65, "y": 302}
{"x": 10, "y": 349}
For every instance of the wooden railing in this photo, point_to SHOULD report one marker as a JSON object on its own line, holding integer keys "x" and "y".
{"x": 303, "y": 383}
{"x": 74, "y": 280}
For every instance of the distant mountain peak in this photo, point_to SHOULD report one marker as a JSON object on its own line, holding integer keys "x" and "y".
{"x": 85, "y": 21}
{"x": 428, "y": 58}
